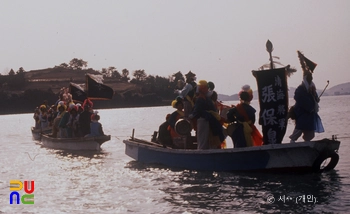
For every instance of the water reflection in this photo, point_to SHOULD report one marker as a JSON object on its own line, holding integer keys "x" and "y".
{"x": 80, "y": 154}
{"x": 225, "y": 192}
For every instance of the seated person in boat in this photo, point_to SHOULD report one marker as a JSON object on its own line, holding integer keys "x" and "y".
{"x": 164, "y": 136}
{"x": 85, "y": 118}
{"x": 43, "y": 117}
{"x": 72, "y": 125}
{"x": 245, "y": 133}
{"x": 95, "y": 126}
{"x": 178, "y": 140}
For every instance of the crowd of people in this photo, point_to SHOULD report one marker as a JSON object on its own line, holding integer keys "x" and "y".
{"x": 68, "y": 119}
{"x": 196, "y": 107}
{"x": 197, "y": 104}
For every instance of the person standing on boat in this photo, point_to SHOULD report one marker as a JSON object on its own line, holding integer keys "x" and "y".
{"x": 61, "y": 109}
{"x": 188, "y": 92}
{"x": 85, "y": 118}
{"x": 72, "y": 124}
{"x": 201, "y": 113}
{"x": 64, "y": 130}
{"x": 43, "y": 117}
{"x": 245, "y": 133}
{"x": 307, "y": 120}
{"x": 36, "y": 118}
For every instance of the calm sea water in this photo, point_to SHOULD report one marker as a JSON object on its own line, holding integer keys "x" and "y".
{"x": 111, "y": 182}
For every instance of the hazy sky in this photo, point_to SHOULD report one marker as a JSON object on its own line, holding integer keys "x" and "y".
{"x": 219, "y": 40}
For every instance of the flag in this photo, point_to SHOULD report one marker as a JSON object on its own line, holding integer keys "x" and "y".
{"x": 306, "y": 64}
{"x": 96, "y": 90}
{"x": 77, "y": 91}
{"x": 273, "y": 101}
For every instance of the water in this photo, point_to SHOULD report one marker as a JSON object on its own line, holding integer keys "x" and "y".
{"x": 111, "y": 182}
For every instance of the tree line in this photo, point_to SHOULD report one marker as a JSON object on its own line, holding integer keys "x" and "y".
{"x": 152, "y": 89}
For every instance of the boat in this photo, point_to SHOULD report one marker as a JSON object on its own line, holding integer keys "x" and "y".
{"x": 36, "y": 133}
{"x": 312, "y": 156}
{"x": 80, "y": 144}
{"x": 273, "y": 155}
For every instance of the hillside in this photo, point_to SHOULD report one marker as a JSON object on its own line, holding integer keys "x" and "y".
{"x": 55, "y": 79}
{"x": 341, "y": 89}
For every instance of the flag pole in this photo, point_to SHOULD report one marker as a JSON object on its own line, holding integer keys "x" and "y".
{"x": 269, "y": 48}
{"x": 324, "y": 89}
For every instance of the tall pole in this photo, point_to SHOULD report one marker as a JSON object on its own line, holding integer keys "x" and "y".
{"x": 269, "y": 48}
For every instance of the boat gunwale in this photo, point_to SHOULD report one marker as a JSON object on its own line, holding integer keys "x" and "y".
{"x": 154, "y": 146}
{"x": 98, "y": 139}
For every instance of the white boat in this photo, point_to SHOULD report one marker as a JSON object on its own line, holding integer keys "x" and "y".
{"x": 81, "y": 143}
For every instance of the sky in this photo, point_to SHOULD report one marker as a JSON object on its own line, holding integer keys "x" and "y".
{"x": 219, "y": 40}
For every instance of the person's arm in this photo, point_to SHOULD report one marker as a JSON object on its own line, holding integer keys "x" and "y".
{"x": 183, "y": 93}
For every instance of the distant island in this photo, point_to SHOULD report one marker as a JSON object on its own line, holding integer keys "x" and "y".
{"x": 22, "y": 91}
{"x": 341, "y": 89}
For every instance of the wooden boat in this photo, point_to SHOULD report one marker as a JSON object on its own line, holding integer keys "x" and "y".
{"x": 82, "y": 143}
{"x": 36, "y": 133}
{"x": 310, "y": 156}
{"x": 313, "y": 156}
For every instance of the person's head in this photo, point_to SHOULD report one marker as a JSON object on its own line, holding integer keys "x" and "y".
{"x": 190, "y": 77}
{"x": 308, "y": 77}
{"x": 80, "y": 108}
{"x": 73, "y": 109}
{"x": 211, "y": 86}
{"x": 178, "y": 104}
{"x": 61, "y": 106}
{"x": 180, "y": 84}
{"x": 202, "y": 87}
{"x": 87, "y": 105}
{"x": 95, "y": 117}
{"x": 244, "y": 96}
{"x": 43, "y": 108}
{"x": 69, "y": 98}
{"x": 246, "y": 88}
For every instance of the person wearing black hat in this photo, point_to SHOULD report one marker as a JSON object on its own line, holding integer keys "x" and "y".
{"x": 188, "y": 92}
{"x": 307, "y": 120}
{"x": 305, "y": 112}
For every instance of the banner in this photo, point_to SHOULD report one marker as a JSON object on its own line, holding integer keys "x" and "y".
{"x": 273, "y": 101}
{"x": 77, "y": 91}
{"x": 96, "y": 90}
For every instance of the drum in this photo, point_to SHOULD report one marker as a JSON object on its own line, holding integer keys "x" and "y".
{"x": 183, "y": 127}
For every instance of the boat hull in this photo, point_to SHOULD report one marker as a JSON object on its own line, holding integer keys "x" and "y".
{"x": 80, "y": 144}
{"x": 278, "y": 157}
{"x": 36, "y": 133}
